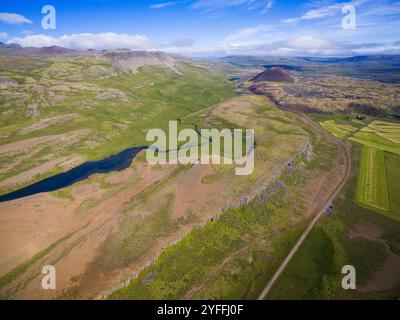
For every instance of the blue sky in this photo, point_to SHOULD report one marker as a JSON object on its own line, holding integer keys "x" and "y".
{"x": 208, "y": 27}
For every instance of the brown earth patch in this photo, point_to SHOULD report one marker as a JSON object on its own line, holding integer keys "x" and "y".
{"x": 120, "y": 177}
{"x": 26, "y": 144}
{"x": 32, "y": 224}
{"x": 386, "y": 277}
{"x": 369, "y": 231}
{"x": 31, "y": 143}
{"x": 48, "y": 122}
{"x": 192, "y": 194}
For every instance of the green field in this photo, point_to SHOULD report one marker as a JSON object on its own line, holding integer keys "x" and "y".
{"x": 387, "y": 130}
{"x": 309, "y": 269}
{"x": 338, "y": 130}
{"x": 376, "y": 190}
{"x": 381, "y": 135}
{"x": 393, "y": 176}
{"x": 372, "y": 188}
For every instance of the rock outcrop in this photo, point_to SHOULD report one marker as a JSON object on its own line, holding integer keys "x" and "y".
{"x": 131, "y": 61}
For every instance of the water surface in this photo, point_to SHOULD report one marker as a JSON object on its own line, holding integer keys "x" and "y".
{"x": 116, "y": 162}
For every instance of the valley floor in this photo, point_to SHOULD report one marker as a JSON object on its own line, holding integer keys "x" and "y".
{"x": 193, "y": 231}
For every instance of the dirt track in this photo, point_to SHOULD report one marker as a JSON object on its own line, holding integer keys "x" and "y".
{"x": 321, "y": 208}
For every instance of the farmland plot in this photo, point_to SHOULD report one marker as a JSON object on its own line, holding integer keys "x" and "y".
{"x": 372, "y": 189}
{"x": 338, "y": 130}
{"x": 382, "y": 135}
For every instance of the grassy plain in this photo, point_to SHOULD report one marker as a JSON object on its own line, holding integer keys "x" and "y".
{"x": 308, "y": 270}
{"x": 111, "y": 110}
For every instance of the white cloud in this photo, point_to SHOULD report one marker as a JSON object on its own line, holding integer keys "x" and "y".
{"x": 26, "y": 32}
{"x": 307, "y": 44}
{"x": 376, "y": 48}
{"x": 84, "y": 41}
{"x": 268, "y": 40}
{"x": 317, "y": 13}
{"x": 183, "y": 43}
{"x": 251, "y": 41}
{"x": 217, "y": 4}
{"x": 254, "y": 36}
{"x": 3, "y": 35}
{"x": 364, "y": 7}
{"x": 163, "y": 5}
{"x": 210, "y": 5}
{"x": 304, "y": 45}
{"x": 244, "y": 34}
{"x": 13, "y": 18}
{"x": 254, "y": 42}
{"x": 268, "y": 6}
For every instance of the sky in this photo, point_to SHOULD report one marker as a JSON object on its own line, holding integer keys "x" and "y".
{"x": 209, "y": 27}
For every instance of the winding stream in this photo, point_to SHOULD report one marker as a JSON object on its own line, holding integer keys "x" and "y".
{"x": 116, "y": 162}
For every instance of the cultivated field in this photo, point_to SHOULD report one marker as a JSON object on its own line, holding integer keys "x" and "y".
{"x": 372, "y": 188}
{"x": 387, "y": 130}
{"x": 382, "y": 135}
{"x": 380, "y": 151}
{"x": 338, "y": 130}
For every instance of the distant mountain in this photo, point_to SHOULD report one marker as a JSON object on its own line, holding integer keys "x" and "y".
{"x": 55, "y": 50}
{"x": 244, "y": 61}
{"x": 275, "y": 74}
{"x": 384, "y": 68}
{"x": 16, "y": 49}
{"x": 386, "y": 59}
{"x": 132, "y": 60}
{"x": 10, "y": 45}
{"x": 122, "y": 59}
